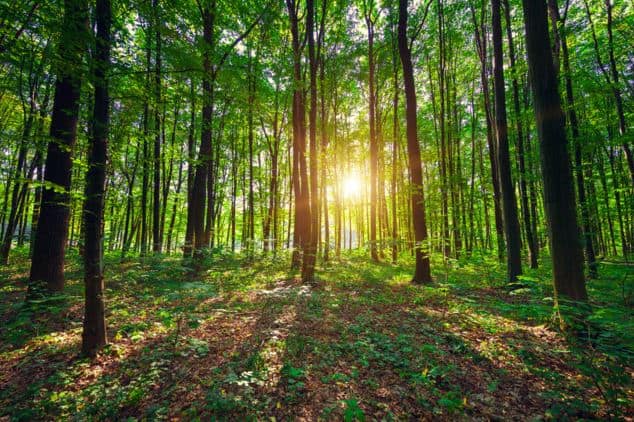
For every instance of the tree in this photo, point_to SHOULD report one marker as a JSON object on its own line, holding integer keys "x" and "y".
{"x": 156, "y": 206}
{"x": 302, "y": 232}
{"x": 559, "y": 195}
{"x": 49, "y": 246}
{"x": 481, "y": 46}
{"x": 531, "y": 239}
{"x": 202, "y": 183}
{"x": 422, "y": 273}
{"x": 509, "y": 204}
{"x": 573, "y": 122}
{"x": 310, "y": 251}
{"x": 370, "y": 18}
{"x": 94, "y": 332}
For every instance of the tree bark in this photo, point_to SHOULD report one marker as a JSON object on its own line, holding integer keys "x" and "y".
{"x": 302, "y": 233}
{"x": 49, "y": 247}
{"x": 577, "y": 143}
{"x": 507, "y": 189}
{"x": 481, "y": 45}
{"x": 369, "y": 21}
{"x": 310, "y": 252}
{"x": 422, "y": 273}
{"x": 526, "y": 214}
{"x": 156, "y": 206}
{"x": 191, "y": 170}
{"x": 559, "y": 195}
{"x": 94, "y": 328}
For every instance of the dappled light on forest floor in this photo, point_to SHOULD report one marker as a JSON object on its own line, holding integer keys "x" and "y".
{"x": 362, "y": 342}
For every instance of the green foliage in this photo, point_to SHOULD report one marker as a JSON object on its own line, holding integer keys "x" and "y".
{"x": 451, "y": 349}
{"x": 352, "y": 411}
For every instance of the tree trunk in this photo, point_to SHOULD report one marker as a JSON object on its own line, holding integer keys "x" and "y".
{"x": 528, "y": 229}
{"x": 94, "y": 329}
{"x": 191, "y": 169}
{"x": 145, "y": 182}
{"x": 577, "y": 143}
{"x": 369, "y": 21}
{"x": 559, "y": 195}
{"x": 484, "y": 78}
{"x": 507, "y": 189}
{"x": 395, "y": 148}
{"x": 179, "y": 184}
{"x": 204, "y": 153}
{"x": 47, "y": 264}
{"x": 422, "y": 273}
{"x": 156, "y": 206}
{"x": 13, "y": 218}
{"x": 302, "y": 233}
{"x": 310, "y": 252}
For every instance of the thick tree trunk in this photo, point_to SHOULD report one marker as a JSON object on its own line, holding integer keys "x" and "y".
{"x": 204, "y": 153}
{"x": 302, "y": 233}
{"x": 47, "y": 265}
{"x": 577, "y": 143}
{"x": 559, "y": 195}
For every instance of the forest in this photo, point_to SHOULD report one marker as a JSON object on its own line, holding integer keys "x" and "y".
{"x": 316, "y": 210}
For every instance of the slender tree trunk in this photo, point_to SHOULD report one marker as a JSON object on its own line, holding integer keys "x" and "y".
{"x": 156, "y": 207}
{"x": 94, "y": 329}
{"x": 324, "y": 135}
{"x": 179, "y": 184}
{"x": 168, "y": 174}
{"x": 528, "y": 230}
{"x": 191, "y": 169}
{"x": 12, "y": 221}
{"x": 312, "y": 234}
{"x": 395, "y": 148}
{"x": 481, "y": 44}
{"x": 251, "y": 199}
{"x": 444, "y": 199}
{"x": 145, "y": 182}
{"x": 471, "y": 237}
{"x": 507, "y": 189}
{"x": 422, "y": 274}
{"x": 369, "y": 21}
{"x": 606, "y": 204}
{"x": 35, "y": 216}
{"x": 616, "y": 90}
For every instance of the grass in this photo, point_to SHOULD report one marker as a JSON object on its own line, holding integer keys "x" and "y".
{"x": 248, "y": 341}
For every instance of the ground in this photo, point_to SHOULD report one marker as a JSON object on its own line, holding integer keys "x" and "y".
{"x": 246, "y": 340}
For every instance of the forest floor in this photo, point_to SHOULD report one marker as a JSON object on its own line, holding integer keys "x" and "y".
{"x": 247, "y": 339}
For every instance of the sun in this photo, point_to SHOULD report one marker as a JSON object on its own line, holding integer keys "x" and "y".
{"x": 351, "y": 186}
